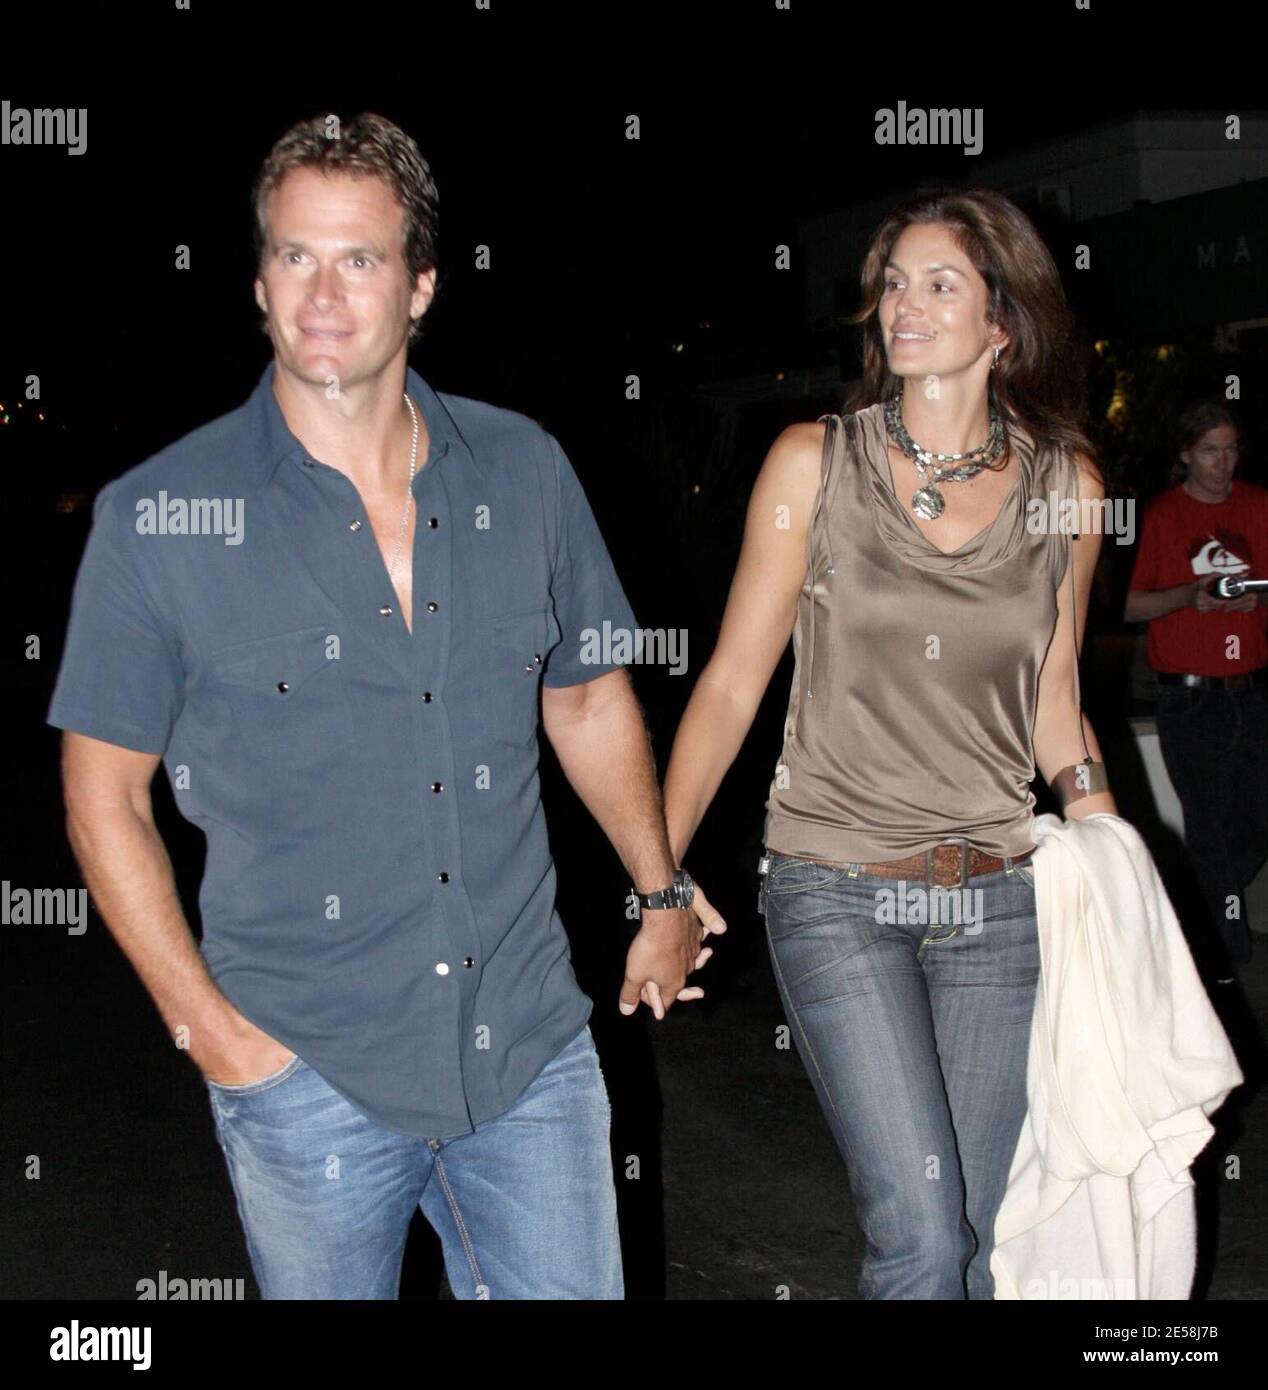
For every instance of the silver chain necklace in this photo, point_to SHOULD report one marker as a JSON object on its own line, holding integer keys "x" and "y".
{"x": 409, "y": 491}
{"x": 927, "y": 501}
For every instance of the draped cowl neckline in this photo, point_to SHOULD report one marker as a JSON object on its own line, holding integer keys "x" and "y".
{"x": 889, "y": 746}
{"x": 896, "y": 522}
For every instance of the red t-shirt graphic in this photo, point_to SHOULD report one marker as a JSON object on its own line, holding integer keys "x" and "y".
{"x": 1183, "y": 539}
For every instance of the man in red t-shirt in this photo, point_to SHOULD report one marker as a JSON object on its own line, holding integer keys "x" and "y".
{"x": 1211, "y": 656}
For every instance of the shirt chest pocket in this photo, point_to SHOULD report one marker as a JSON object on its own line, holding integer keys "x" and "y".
{"x": 519, "y": 646}
{"x": 288, "y": 698}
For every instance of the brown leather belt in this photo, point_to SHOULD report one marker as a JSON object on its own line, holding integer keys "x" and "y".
{"x": 944, "y": 864}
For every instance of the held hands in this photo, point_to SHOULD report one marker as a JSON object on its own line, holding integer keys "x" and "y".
{"x": 668, "y": 947}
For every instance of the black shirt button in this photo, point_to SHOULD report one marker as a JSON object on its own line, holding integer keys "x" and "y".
{"x": 354, "y": 526}
{"x": 427, "y": 697}
{"x": 432, "y": 522}
{"x": 386, "y": 610}
{"x": 443, "y": 876}
{"x": 432, "y": 607}
{"x": 283, "y": 687}
{"x": 438, "y": 786}
{"x": 468, "y": 961}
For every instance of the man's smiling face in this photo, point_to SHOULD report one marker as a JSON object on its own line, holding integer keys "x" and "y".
{"x": 1212, "y": 461}
{"x": 333, "y": 279}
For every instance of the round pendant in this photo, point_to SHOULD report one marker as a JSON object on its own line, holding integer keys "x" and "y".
{"x": 928, "y": 502}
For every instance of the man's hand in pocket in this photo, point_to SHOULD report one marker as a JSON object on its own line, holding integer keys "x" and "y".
{"x": 237, "y": 1053}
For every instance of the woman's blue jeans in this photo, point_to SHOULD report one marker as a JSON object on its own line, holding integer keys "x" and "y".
{"x": 916, "y": 1037}
{"x": 525, "y": 1205}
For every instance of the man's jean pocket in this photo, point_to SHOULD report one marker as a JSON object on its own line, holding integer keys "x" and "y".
{"x": 284, "y": 1072}
{"x": 524, "y": 1204}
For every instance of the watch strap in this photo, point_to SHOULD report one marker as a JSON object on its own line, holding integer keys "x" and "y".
{"x": 673, "y": 896}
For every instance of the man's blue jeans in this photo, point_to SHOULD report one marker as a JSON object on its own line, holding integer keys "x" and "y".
{"x": 525, "y": 1206}
{"x": 916, "y": 1039}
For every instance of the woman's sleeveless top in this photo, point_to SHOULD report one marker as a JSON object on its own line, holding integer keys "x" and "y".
{"x": 916, "y": 676}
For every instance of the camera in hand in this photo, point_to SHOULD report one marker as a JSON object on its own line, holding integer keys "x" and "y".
{"x": 1234, "y": 586}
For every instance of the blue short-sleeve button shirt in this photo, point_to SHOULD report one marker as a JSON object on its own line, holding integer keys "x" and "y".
{"x": 379, "y": 894}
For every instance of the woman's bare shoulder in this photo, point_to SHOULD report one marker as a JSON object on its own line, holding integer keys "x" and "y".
{"x": 1091, "y": 479}
{"x": 797, "y": 451}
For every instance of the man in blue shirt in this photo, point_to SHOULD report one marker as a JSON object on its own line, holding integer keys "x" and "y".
{"x": 329, "y": 613}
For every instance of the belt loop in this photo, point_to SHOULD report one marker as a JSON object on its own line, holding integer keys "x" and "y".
{"x": 929, "y": 868}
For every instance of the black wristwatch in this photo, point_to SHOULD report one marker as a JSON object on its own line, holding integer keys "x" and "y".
{"x": 678, "y": 894}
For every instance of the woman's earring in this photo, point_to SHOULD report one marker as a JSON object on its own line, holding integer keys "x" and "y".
{"x": 995, "y": 363}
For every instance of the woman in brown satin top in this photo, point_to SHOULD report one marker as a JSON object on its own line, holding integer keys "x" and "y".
{"x": 935, "y": 671}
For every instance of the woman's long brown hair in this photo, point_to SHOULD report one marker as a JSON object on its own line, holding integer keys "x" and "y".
{"x": 1040, "y": 381}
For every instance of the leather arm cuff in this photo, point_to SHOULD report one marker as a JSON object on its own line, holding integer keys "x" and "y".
{"x": 1080, "y": 780}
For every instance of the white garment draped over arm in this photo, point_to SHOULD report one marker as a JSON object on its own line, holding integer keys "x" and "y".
{"x": 1127, "y": 1061}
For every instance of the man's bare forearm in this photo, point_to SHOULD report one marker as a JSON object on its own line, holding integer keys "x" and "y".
{"x": 129, "y": 874}
{"x": 1144, "y": 605}
{"x": 606, "y": 754}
